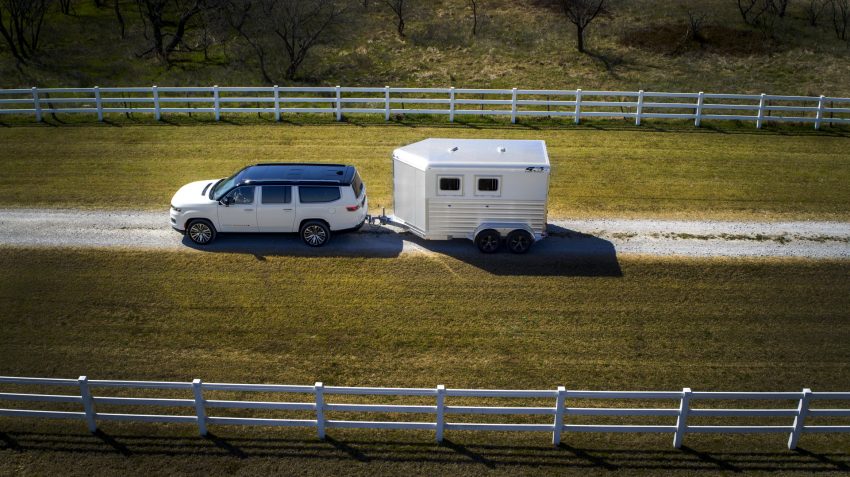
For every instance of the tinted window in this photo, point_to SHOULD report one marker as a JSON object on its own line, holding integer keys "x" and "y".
{"x": 277, "y": 194}
{"x": 357, "y": 184}
{"x": 312, "y": 195}
{"x": 489, "y": 184}
{"x": 450, "y": 183}
{"x": 242, "y": 195}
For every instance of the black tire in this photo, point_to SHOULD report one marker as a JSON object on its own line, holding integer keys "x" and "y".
{"x": 488, "y": 241}
{"x": 200, "y": 231}
{"x": 519, "y": 241}
{"x": 315, "y": 233}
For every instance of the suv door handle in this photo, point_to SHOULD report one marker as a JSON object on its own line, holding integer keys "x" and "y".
{"x": 249, "y": 210}
{"x": 287, "y": 209}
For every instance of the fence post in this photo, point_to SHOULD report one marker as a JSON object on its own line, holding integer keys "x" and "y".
{"x": 819, "y": 115}
{"x": 338, "y": 104}
{"x": 441, "y": 411}
{"x": 698, "y": 114}
{"x": 36, "y": 104}
{"x": 200, "y": 409}
{"x": 386, "y": 103}
{"x": 156, "y": 112}
{"x": 639, "y": 110}
{"x": 216, "y": 104}
{"x": 88, "y": 403}
{"x": 513, "y": 106}
{"x": 559, "y": 416}
{"x": 761, "y": 112}
{"x": 577, "y": 118}
{"x": 98, "y": 104}
{"x": 319, "y": 389}
{"x": 452, "y": 104}
{"x": 682, "y": 420}
{"x": 800, "y": 419}
{"x": 276, "y": 103}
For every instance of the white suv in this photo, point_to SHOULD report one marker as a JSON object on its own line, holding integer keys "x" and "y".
{"x": 311, "y": 199}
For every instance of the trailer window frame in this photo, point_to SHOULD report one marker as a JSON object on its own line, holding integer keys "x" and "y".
{"x": 450, "y": 192}
{"x": 488, "y": 193}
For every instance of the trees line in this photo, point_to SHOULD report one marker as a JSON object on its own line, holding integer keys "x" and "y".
{"x": 282, "y": 33}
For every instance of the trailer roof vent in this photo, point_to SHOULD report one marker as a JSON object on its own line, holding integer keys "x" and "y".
{"x": 501, "y": 149}
{"x": 453, "y": 149}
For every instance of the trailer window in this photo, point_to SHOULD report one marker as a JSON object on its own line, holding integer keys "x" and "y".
{"x": 487, "y": 185}
{"x": 313, "y": 195}
{"x": 449, "y": 185}
{"x": 277, "y": 194}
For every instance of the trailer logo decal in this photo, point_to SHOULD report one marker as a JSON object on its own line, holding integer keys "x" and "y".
{"x": 535, "y": 169}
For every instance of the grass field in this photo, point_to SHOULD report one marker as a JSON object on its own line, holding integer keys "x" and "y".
{"x": 416, "y": 321}
{"x": 599, "y": 169}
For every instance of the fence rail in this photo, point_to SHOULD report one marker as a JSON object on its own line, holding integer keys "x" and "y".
{"x": 339, "y": 101}
{"x": 559, "y": 414}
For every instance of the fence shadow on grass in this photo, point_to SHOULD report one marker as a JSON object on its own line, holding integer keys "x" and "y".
{"x": 420, "y": 453}
{"x": 564, "y": 253}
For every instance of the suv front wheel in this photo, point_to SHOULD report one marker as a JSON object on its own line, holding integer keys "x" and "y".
{"x": 200, "y": 231}
{"x": 315, "y": 233}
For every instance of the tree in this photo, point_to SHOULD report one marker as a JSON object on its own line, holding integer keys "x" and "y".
{"x": 581, "y": 13}
{"x": 20, "y": 26}
{"x": 158, "y": 15}
{"x": 841, "y": 18}
{"x": 398, "y": 8}
{"x": 293, "y": 27}
{"x": 814, "y": 9}
{"x": 474, "y": 4}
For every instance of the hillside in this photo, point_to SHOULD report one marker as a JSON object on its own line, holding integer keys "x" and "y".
{"x": 640, "y": 44}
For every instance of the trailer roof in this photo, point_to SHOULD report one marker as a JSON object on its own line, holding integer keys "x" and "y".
{"x": 436, "y": 152}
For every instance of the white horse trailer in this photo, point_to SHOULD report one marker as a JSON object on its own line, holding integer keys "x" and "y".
{"x": 487, "y": 190}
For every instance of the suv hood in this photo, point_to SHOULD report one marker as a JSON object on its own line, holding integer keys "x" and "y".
{"x": 193, "y": 193}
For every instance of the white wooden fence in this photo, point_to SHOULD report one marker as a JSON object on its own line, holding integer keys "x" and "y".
{"x": 513, "y": 103}
{"x": 560, "y": 413}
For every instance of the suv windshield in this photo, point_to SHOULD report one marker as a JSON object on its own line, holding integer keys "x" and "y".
{"x": 222, "y": 186}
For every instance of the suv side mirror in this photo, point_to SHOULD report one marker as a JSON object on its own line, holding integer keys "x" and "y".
{"x": 226, "y": 201}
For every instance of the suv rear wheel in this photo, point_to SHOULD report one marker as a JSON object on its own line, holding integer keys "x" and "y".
{"x": 200, "y": 231}
{"x": 315, "y": 233}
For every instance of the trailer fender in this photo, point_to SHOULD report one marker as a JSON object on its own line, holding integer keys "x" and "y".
{"x": 504, "y": 228}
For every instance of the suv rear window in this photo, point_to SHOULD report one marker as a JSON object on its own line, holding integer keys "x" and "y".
{"x": 313, "y": 195}
{"x": 357, "y": 184}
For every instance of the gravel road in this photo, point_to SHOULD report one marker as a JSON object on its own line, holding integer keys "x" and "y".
{"x": 569, "y": 238}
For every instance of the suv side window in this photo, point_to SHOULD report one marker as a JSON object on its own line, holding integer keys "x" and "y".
{"x": 315, "y": 194}
{"x": 277, "y": 194}
{"x": 241, "y": 195}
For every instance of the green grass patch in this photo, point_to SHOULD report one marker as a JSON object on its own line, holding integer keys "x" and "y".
{"x": 416, "y": 321}
{"x": 600, "y": 169}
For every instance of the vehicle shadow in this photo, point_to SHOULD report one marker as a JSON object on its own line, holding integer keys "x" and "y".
{"x": 564, "y": 253}
{"x": 380, "y": 244}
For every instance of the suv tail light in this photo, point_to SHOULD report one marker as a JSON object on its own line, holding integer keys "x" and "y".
{"x": 352, "y": 208}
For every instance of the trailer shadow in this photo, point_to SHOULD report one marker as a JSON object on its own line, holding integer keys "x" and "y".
{"x": 564, "y": 253}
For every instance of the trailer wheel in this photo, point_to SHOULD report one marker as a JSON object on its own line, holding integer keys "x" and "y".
{"x": 519, "y": 241}
{"x": 315, "y": 233}
{"x": 488, "y": 241}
